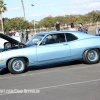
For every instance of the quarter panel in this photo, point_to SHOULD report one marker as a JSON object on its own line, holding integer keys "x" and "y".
{"x": 79, "y": 46}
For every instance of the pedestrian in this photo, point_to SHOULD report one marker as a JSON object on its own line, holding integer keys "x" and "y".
{"x": 72, "y": 27}
{"x": 81, "y": 28}
{"x": 58, "y": 26}
{"x": 22, "y": 37}
{"x": 26, "y": 36}
{"x": 16, "y": 33}
{"x": 86, "y": 29}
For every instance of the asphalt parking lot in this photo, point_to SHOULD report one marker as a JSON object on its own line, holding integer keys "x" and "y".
{"x": 74, "y": 81}
{"x": 62, "y": 81}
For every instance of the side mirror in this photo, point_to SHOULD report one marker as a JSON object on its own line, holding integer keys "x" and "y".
{"x": 97, "y": 31}
{"x": 35, "y": 41}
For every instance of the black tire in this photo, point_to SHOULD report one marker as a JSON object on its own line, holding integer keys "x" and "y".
{"x": 91, "y": 56}
{"x": 7, "y": 45}
{"x": 17, "y": 65}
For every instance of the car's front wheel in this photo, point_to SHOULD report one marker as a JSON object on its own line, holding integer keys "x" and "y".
{"x": 17, "y": 65}
{"x": 7, "y": 45}
{"x": 91, "y": 56}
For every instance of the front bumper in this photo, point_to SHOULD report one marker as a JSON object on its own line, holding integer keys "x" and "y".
{"x": 2, "y": 65}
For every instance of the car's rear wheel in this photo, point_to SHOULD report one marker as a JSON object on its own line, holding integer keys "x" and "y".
{"x": 91, "y": 56}
{"x": 17, "y": 65}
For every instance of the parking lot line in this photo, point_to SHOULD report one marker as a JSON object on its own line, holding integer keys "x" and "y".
{"x": 90, "y": 66}
{"x": 69, "y": 84}
{"x": 61, "y": 85}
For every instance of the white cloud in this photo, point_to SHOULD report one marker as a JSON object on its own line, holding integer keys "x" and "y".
{"x": 81, "y": 7}
{"x": 38, "y": 15}
{"x": 69, "y": 7}
{"x": 94, "y": 5}
{"x": 13, "y": 9}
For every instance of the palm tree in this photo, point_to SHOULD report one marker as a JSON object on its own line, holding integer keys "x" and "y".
{"x": 2, "y": 9}
{"x": 23, "y": 8}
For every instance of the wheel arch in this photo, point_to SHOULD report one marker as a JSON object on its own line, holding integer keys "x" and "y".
{"x": 5, "y": 43}
{"x": 25, "y": 58}
{"x": 88, "y": 49}
{"x": 85, "y": 58}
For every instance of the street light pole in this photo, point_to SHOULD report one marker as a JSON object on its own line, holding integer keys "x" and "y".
{"x": 34, "y": 22}
{"x": 23, "y": 9}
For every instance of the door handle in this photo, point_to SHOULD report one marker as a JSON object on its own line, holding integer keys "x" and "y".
{"x": 65, "y": 44}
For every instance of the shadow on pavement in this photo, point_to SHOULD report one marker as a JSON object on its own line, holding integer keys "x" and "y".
{"x": 4, "y": 71}
{"x": 46, "y": 66}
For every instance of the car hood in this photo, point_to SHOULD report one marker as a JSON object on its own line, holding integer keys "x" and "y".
{"x": 9, "y": 39}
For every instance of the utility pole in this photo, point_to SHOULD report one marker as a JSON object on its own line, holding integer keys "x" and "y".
{"x": 23, "y": 9}
{"x": 34, "y": 22}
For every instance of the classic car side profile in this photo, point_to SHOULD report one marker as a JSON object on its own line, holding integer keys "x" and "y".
{"x": 50, "y": 47}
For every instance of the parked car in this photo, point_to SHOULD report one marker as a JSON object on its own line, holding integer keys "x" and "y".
{"x": 50, "y": 47}
{"x": 6, "y": 44}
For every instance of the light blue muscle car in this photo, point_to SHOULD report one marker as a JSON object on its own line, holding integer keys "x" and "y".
{"x": 50, "y": 47}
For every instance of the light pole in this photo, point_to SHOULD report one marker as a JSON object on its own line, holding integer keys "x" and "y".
{"x": 34, "y": 22}
{"x": 23, "y": 9}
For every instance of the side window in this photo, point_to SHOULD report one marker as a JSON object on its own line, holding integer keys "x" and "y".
{"x": 49, "y": 39}
{"x": 70, "y": 37}
{"x": 54, "y": 38}
{"x": 60, "y": 38}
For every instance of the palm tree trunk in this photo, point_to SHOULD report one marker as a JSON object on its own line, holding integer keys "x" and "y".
{"x": 23, "y": 9}
{"x": 1, "y": 21}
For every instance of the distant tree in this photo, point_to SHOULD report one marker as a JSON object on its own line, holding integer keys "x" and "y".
{"x": 17, "y": 23}
{"x": 47, "y": 22}
{"x": 94, "y": 16}
{"x": 61, "y": 19}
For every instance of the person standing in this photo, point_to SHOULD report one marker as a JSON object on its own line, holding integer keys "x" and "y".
{"x": 26, "y": 36}
{"x": 86, "y": 29}
{"x": 58, "y": 26}
{"x": 16, "y": 33}
{"x": 22, "y": 37}
{"x": 81, "y": 28}
{"x": 72, "y": 27}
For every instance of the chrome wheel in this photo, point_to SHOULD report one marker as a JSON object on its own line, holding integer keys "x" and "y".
{"x": 92, "y": 55}
{"x": 17, "y": 65}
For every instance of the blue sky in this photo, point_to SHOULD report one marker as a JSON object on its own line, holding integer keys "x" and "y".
{"x": 43, "y": 8}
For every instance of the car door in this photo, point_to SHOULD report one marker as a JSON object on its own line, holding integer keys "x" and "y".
{"x": 54, "y": 49}
{"x": 74, "y": 45}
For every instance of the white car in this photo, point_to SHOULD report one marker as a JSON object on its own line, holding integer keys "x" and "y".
{"x": 6, "y": 43}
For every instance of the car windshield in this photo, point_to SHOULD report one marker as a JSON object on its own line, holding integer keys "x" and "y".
{"x": 36, "y": 39}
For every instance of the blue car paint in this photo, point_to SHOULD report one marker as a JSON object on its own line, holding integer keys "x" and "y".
{"x": 50, "y": 53}
{"x": 59, "y": 51}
